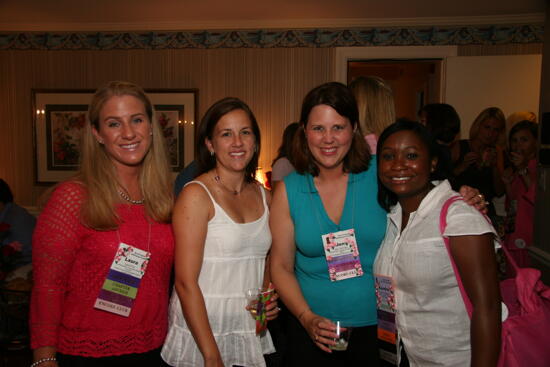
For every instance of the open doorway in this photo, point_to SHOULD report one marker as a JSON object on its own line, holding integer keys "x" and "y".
{"x": 415, "y": 82}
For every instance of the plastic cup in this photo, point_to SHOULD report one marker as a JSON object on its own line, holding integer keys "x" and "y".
{"x": 257, "y": 298}
{"x": 342, "y": 339}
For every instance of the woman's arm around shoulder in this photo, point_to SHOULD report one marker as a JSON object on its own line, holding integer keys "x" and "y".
{"x": 192, "y": 212}
{"x": 475, "y": 258}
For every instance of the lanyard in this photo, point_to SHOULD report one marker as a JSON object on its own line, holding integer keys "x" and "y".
{"x": 148, "y": 236}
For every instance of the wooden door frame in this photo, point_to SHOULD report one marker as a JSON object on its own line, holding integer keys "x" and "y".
{"x": 345, "y": 54}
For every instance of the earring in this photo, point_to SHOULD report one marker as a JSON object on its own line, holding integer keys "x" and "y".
{"x": 151, "y": 133}
{"x": 211, "y": 153}
{"x": 255, "y": 149}
{"x": 100, "y": 141}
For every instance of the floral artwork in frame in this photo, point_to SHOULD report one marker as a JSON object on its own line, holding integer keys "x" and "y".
{"x": 64, "y": 125}
{"x": 170, "y": 118}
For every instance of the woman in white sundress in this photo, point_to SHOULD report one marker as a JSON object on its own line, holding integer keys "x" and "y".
{"x": 222, "y": 236}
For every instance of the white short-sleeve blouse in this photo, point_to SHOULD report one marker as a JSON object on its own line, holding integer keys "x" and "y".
{"x": 431, "y": 318}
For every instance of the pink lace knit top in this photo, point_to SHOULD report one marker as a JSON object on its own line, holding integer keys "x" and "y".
{"x": 70, "y": 264}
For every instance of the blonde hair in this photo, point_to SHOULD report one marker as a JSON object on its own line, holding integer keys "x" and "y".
{"x": 488, "y": 113}
{"x": 375, "y": 103}
{"x": 98, "y": 174}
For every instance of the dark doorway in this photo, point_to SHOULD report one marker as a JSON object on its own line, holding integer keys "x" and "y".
{"x": 414, "y": 82}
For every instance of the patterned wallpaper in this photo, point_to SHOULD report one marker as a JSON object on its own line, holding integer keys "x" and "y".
{"x": 318, "y": 38}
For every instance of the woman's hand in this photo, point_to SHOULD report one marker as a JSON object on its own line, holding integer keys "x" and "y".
{"x": 474, "y": 198}
{"x": 518, "y": 160}
{"x": 272, "y": 309}
{"x": 321, "y": 330}
{"x": 489, "y": 157}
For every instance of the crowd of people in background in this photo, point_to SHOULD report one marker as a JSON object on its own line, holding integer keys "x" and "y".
{"x": 349, "y": 238}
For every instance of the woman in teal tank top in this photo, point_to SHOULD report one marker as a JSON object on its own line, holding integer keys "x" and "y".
{"x": 327, "y": 226}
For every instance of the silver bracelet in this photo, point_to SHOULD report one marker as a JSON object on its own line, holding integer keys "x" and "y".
{"x": 42, "y": 360}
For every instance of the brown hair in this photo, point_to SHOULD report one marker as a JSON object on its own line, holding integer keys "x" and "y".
{"x": 207, "y": 161}
{"x": 339, "y": 97}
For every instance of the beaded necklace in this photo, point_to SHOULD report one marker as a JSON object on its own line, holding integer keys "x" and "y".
{"x": 127, "y": 198}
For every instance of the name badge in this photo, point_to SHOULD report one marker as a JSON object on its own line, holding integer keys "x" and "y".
{"x": 121, "y": 285}
{"x": 385, "y": 310}
{"x": 342, "y": 255}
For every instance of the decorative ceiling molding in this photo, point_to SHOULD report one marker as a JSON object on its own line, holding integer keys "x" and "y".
{"x": 282, "y": 24}
{"x": 411, "y": 36}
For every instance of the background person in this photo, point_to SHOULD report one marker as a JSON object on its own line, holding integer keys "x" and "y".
{"x": 188, "y": 173}
{"x": 282, "y": 164}
{"x": 481, "y": 161}
{"x": 443, "y": 122}
{"x": 18, "y": 226}
{"x": 376, "y": 106}
{"x": 520, "y": 179}
{"x": 118, "y": 205}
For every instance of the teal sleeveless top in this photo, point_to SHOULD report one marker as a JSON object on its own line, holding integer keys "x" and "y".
{"x": 351, "y": 301}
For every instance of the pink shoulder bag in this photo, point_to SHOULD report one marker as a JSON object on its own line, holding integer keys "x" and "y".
{"x": 526, "y": 331}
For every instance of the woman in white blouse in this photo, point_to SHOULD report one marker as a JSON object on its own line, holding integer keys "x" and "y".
{"x": 433, "y": 327}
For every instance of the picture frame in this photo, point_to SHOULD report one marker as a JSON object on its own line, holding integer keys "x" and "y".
{"x": 60, "y": 115}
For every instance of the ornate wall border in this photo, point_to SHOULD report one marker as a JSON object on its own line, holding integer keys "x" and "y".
{"x": 394, "y": 36}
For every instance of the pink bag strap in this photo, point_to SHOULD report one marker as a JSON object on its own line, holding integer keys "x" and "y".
{"x": 442, "y": 226}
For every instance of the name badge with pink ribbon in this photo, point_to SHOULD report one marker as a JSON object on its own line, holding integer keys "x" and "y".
{"x": 120, "y": 289}
{"x": 342, "y": 254}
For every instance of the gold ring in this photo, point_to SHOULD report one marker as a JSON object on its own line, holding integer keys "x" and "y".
{"x": 316, "y": 337}
{"x": 480, "y": 196}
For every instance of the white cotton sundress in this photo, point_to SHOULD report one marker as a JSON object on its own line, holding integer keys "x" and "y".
{"x": 234, "y": 261}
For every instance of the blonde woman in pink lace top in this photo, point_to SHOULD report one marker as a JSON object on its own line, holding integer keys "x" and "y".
{"x": 119, "y": 203}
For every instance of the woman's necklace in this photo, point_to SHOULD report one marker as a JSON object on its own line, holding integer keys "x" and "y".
{"x": 128, "y": 199}
{"x": 218, "y": 179}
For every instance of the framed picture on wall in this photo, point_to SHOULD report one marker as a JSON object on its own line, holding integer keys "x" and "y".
{"x": 61, "y": 115}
